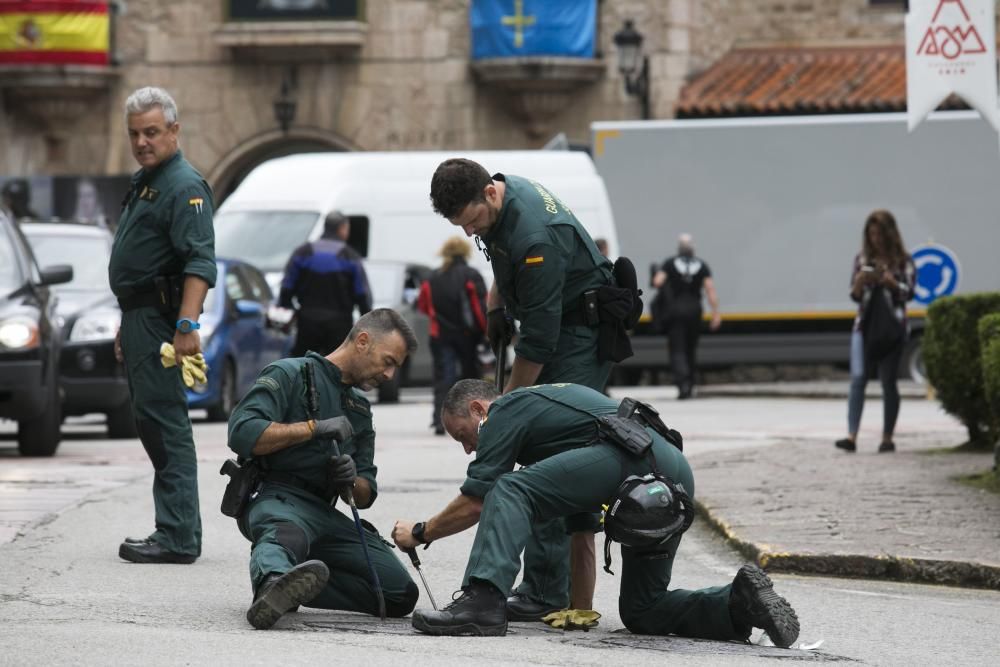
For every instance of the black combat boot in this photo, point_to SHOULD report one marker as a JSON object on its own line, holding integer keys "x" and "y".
{"x": 280, "y": 593}
{"x": 754, "y": 604}
{"x": 522, "y": 608}
{"x": 480, "y": 611}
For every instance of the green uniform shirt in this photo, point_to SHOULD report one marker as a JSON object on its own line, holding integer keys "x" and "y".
{"x": 531, "y": 424}
{"x": 279, "y": 395}
{"x": 165, "y": 229}
{"x": 543, "y": 261}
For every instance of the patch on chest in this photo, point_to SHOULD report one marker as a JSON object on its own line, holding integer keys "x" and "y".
{"x": 148, "y": 193}
{"x": 356, "y": 406}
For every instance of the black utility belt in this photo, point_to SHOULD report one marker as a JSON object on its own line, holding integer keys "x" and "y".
{"x": 289, "y": 479}
{"x": 164, "y": 294}
{"x": 586, "y": 313}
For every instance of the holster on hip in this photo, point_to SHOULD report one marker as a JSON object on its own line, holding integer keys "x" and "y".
{"x": 244, "y": 483}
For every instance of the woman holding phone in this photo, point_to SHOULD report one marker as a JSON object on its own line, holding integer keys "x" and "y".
{"x": 881, "y": 283}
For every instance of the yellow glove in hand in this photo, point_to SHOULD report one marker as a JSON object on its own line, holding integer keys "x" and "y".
{"x": 573, "y": 619}
{"x": 193, "y": 368}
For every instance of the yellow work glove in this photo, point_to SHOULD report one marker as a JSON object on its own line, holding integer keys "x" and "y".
{"x": 573, "y": 619}
{"x": 192, "y": 368}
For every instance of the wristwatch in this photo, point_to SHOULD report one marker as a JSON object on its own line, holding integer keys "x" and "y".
{"x": 418, "y": 533}
{"x": 184, "y": 325}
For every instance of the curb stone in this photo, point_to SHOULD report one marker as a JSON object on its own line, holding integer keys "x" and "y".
{"x": 912, "y": 570}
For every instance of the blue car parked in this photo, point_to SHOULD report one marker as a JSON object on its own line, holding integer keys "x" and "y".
{"x": 238, "y": 338}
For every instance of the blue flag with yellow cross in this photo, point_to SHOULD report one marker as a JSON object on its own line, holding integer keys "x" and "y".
{"x": 511, "y": 28}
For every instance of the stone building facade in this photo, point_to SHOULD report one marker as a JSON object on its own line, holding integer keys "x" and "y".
{"x": 403, "y": 80}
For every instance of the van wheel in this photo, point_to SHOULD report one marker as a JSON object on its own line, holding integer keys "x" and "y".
{"x": 913, "y": 362}
{"x": 227, "y": 395}
{"x": 40, "y": 436}
{"x": 121, "y": 423}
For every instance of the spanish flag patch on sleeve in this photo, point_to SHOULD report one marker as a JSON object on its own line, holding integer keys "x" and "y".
{"x": 537, "y": 259}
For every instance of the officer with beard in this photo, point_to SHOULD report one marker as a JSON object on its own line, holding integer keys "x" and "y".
{"x": 298, "y": 537}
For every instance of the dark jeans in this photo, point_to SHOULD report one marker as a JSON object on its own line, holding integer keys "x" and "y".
{"x": 320, "y": 336}
{"x": 888, "y": 369}
{"x": 454, "y": 360}
{"x": 682, "y": 339}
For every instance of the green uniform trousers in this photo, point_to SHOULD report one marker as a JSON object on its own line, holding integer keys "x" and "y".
{"x": 547, "y": 554}
{"x": 160, "y": 408}
{"x": 578, "y": 481}
{"x": 289, "y": 526}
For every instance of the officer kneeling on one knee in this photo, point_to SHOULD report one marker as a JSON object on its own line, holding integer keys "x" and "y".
{"x": 583, "y": 451}
{"x": 284, "y": 431}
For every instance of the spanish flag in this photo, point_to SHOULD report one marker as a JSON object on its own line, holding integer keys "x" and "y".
{"x": 53, "y": 32}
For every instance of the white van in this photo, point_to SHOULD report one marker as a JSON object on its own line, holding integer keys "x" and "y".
{"x": 283, "y": 203}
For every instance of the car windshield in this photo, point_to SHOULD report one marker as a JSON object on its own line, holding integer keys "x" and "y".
{"x": 87, "y": 254}
{"x": 265, "y": 239}
{"x": 10, "y": 274}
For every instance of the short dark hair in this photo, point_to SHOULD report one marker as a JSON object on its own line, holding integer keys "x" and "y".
{"x": 456, "y": 402}
{"x": 334, "y": 221}
{"x": 456, "y": 184}
{"x": 382, "y": 322}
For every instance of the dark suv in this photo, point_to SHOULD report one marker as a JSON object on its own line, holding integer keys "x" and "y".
{"x": 30, "y": 339}
{"x": 92, "y": 380}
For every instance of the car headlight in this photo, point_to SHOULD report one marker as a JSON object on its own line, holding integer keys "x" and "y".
{"x": 19, "y": 333}
{"x": 98, "y": 325}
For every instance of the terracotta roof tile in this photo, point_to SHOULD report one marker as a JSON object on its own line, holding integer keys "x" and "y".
{"x": 787, "y": 80}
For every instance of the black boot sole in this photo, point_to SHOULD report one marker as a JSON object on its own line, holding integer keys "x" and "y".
{"x": 128, "y": 551}
{"x": 296, "y": 587}
{"x": 529, "y": 617}
{"x": 778, "y": 619}
{"x": 464, "y": 630}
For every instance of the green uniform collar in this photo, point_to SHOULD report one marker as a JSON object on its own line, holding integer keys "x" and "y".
{"x": 328, "y": 367}
{"x": 493, "y": 234}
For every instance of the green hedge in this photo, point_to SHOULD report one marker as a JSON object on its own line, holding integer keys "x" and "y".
{"x": 989, "y": 344}
{"x": 951, "y": 352}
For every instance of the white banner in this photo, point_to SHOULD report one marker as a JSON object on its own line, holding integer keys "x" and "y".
{"x": 951, "y": 48}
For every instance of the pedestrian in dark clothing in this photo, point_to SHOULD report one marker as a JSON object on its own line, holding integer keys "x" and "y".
{"x": 15, "y": 197}
{"x": 882, "y": 282}
{"x": 328, "y": 280}
{"x": 680, "y": 280}
{"x": 162, "y": 265}
{"x": 455, "y": 300}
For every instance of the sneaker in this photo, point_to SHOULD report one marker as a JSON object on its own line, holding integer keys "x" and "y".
{"x": 887, "y": 447}
{"x": 522, "y": 608}
{"x": 754, "y": 604}
{"x": 846, "y": 444}
{"x": 480, "y": 611}
{"x": 279, "y": 594}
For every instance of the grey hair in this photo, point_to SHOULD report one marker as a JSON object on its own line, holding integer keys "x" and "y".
{"x": 463, "y": 392}
{"x": 382, "y": 322}
{"x": 145, "y": 99}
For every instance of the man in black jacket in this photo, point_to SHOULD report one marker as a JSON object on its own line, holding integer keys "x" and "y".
{"x": 328, "y": 279}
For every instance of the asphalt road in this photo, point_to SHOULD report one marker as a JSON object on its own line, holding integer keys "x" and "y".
{"x": 65, "y": 597}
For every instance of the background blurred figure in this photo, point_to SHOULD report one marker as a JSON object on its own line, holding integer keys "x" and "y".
{"x": 88, "y": 204}
{"x": 16, "y": 197}
{"x": 455, "y": 300}
{"x": 328, "y": 280}
{"x": 680, "y": 281}
{"x": 602, "y": 246}
{"x": 881, "y": 283}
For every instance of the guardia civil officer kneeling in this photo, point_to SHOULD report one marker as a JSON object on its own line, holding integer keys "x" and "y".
{"x": 285, "y": 425}
{"x": 582, "y": 450}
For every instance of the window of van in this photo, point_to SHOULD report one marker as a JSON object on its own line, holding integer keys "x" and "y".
{"x": 265, "y": 239}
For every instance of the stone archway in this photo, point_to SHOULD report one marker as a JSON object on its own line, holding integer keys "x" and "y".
{"x": 235, "y": 165}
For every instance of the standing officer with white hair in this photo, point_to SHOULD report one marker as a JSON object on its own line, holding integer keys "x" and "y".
{"x": 680, "y": 281}
{"x": 162, "y": 265}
